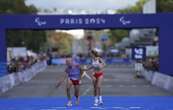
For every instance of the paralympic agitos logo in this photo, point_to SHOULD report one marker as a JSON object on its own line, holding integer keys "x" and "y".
{"x": 124, "y": 21}
{"x": 40, "y": 22}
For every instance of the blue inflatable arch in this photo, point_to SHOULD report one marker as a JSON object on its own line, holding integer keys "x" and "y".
{"x": 164, "y": 22}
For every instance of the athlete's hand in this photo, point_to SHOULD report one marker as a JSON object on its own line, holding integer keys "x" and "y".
{"x": 101, "y": 65}
{"x": 80, "y": 82}
{"x": 84, "y": 68}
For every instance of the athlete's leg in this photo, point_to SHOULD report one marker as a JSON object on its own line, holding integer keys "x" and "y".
{"x": 95, "y": 91}
{"x": 94, "y": 86}
{"x": 99, "y": 84}
{"x": 77, "y": 93}
{"x": 68, "y": 87}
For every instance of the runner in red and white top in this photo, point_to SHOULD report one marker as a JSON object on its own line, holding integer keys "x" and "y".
{"x": 97, "y": 66}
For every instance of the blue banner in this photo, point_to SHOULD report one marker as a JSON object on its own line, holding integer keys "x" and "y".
{"x": 162, "y": 21}
{"x": 87, "y": 61}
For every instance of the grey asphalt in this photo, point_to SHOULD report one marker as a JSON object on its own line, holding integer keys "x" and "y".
{"x": 118, "y": 81}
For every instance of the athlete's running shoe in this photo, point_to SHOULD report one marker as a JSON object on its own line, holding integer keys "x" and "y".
{"x": 96, "y": 102}
{"x": 69, "y": 104}
{"x": 100, "y": 102}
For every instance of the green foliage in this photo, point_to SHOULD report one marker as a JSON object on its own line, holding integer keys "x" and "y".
{"x": 164, "y": 5}
{"x": 61, "y": 41}
{"x": 16, "y": 38}
{"x": 117, "y": 35}
{"x": 16, "y": 6}
{"x": 32, "y": 39}
{"x": 134, "y": 9}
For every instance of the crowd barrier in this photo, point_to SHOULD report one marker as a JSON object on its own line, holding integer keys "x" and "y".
{"x": 9, "y": 81}
{"x": 60, "y": 61}
{"x": 159, "y": 79}
{"x": 163, "y": 81}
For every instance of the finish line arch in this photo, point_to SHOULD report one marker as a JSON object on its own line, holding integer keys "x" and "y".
{"x": 164, "y": 22}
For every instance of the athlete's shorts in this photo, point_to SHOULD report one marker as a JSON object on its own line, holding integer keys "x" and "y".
{"x": 98, "y": 74}
{"x": 75, "y": 82}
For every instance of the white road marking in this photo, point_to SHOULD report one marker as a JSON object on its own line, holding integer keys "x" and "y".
{"x": 59, "y": 107}
{"x": 97, "y": 108}
{"x": 120, "y": 108}
{"x": 135, "y": 108}
{"x": 86, "y": 91}
{"x": 122, "y": 85}
{"x": 134, "y": 85}
{"x": 85, "y": 74}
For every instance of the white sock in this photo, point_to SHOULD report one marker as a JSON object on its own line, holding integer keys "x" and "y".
{"x": 100, "y": 98}
{"x": 96, "y": 98}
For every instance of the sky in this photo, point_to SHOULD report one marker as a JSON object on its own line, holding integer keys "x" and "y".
{"x": 77, "y": 33}
{"x": 81, "y": 4}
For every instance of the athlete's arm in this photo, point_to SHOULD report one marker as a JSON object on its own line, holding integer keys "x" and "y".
{"x": 89, "y": 68}
{"x": 102, "y": 62}
{"x": 81, "y": 72}
{"x": 62, "y": 80}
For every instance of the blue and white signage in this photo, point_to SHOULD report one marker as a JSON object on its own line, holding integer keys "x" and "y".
{"x": 104, "y": 37}
{"x": 100, "y": 21}
{"x": 139, "y": 53}
{"x": 40, "y": 22}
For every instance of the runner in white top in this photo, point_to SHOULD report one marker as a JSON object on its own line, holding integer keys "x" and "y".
{"x": 97, "y": 76}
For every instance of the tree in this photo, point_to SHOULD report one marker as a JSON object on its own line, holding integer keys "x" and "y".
{"x": 18, "y": 38}
{"x": 164, "y": 5}
{"x": 137, "y": 8}
{"x": 32, "y": 39}
{"x": 118, "y": 34}
{"x": 62, "y": 41}
{"x": 16, "y": 6}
